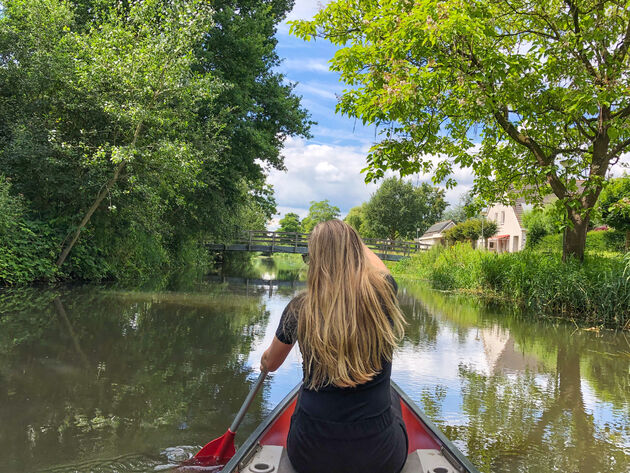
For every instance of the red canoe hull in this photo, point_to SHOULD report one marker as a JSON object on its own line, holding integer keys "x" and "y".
{"x": 423, "y": 435}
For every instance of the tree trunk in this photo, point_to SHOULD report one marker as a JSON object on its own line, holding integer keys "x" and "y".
{"x": 101, "y": 195}
{"x": 575, "y": 236}
{"x": 627, "y": 240}
{"x": 97, "y": 202}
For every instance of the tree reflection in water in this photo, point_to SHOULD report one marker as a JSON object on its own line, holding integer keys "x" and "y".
{"x": 105, "y": 380}
{"x": 91, "y": 374}
{"x": 526, "y": 409}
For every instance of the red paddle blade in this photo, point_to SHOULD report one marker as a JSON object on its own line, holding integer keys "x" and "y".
{"x": 217, "y": 452}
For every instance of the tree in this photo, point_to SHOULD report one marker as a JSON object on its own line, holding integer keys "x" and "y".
{"x": 615, "y": 206}
{"x": 136, "y": 65}
{"x": 543, "y": 85}
{"x": 290, "y": 223}
{"x": 263, "y": 110}
{"x": 318, "y": 212}
{"x": 356, "y": 218}
{"x": 399, "y": 210}
{"x": 463, "y": 210}
{"x": 118, "y": 94}
{"x": 471, "y": 230}
{"x": 77, "y": 80}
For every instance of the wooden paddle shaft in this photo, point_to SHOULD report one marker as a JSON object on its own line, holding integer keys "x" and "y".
{"x": 248, "y": 402}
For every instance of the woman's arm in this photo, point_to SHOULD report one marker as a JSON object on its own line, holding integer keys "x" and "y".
{"x": 275, "y": 355}
{"x": 374, "y": 260}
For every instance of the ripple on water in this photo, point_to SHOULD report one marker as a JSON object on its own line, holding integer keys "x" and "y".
{"x": 170, "y": 459}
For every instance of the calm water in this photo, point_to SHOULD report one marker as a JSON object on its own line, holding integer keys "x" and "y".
{"x": 96, "y": 379}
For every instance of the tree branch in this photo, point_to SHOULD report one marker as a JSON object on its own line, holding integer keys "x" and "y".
{"x": 617, "y": 150}
{"x": 583, "y": 131}
{"x": 623, "y": 113}
{"x": 622, "y": 50}
{"x": 573, "y": 10}
{"x": 556, "y": 184}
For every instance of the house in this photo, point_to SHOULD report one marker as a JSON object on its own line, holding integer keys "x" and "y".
{"x": 511, "y": 234}
{"x": 435, "y": 234}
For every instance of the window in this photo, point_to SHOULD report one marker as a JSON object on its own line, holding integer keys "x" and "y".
{"x": 503, "y": 216}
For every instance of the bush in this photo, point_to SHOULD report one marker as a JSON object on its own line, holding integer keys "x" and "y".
{"x": 27, "y": 246}
{"x": 596, "y": 241}
{"x": 541, "y": 223}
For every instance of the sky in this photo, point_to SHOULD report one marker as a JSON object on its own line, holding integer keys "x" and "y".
{"x": 327, "y": 166}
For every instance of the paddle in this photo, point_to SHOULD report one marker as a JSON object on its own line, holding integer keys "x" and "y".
{"x": 219, "y": 451}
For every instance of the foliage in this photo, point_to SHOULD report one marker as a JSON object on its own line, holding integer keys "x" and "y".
{"x": 318, "y": 212}
{"x": 117, "y": 124}
{"x": 463, "y": 210}
{"x": 544, "y": 86}
{"x": 606, "y": 241}
{"x": 594, "y": 292}
{"x": 471, "y": 230}
{"x": 263, "y": 110}
{"x": 26, "y": 245}
{"x": 540, "y": 223}
{"x": 290, "y": 223}
{"x": 615, "y": 206}
{"x": 400, "y": 210}
{"x": 356, "y": 218}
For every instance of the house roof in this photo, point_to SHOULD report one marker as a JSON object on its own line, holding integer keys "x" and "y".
{"x": 438, "y": 227}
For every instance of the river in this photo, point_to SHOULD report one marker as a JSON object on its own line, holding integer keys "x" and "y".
{"x": 101, "y": 379}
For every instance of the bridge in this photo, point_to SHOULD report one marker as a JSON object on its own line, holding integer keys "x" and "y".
{"x": 294, "y": 242}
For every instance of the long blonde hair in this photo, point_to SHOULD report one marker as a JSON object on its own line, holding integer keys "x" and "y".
{"x": 349, "y": 320}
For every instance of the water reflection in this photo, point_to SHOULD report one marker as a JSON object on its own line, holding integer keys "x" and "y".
{"x": 518, "y": 396}
{"x": 99, "y": 379}
{"x": 92, "y": 375}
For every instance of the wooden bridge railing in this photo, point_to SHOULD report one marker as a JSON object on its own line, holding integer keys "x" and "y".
{"x": 295, "y": 242}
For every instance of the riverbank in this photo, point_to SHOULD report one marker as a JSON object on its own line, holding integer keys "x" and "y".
{"x": 594, "y": 293}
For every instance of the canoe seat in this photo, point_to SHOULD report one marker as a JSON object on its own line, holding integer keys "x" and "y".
{"x": 274, "y": 459}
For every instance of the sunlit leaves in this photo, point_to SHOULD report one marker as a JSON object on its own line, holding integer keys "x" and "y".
{"x": 436, "y": 75}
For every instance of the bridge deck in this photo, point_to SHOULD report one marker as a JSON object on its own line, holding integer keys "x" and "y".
{"x": 290, "y": 242}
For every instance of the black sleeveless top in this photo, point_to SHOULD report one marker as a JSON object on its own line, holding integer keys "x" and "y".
{"x": 333, "y": 403}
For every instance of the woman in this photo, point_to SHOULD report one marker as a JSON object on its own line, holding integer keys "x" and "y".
{"x": 347, "y": 323}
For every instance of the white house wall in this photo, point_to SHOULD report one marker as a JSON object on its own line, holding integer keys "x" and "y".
{"x": 510, "y": 226}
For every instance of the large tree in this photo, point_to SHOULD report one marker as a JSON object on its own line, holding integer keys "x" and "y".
{"x": 150, "y": 121}
{"x": 533, "y": 95}
{"x": 398, "y": 209}
{"x": 356, "y": 218}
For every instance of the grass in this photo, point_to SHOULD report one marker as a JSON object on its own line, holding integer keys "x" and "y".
{"x": 594, "y": 292}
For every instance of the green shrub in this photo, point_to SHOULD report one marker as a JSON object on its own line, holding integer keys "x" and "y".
{"x": 27, "y": 246}
{"x": 540, "y": 223}
{"x": 596, "y": 241}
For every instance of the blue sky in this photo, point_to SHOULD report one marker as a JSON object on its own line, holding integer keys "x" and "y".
{"x": 328, "y": 166}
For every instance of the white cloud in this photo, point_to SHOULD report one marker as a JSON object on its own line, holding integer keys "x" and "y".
{"x": 320, "y": 171}
{"x": 321, "y": 90}
{"x": 315, "y": 65}
{"x": 306, "y": 9}
{"x": 623, "y": 166}
{"x": 326, "y": 171}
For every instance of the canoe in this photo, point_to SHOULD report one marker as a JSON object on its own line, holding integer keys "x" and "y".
{"x": 429, "y": 449}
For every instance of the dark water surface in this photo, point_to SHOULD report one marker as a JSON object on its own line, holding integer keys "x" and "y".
{"x": 95, "y": 379}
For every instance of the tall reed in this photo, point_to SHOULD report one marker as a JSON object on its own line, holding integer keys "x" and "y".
{"x": 595, "y": 291}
